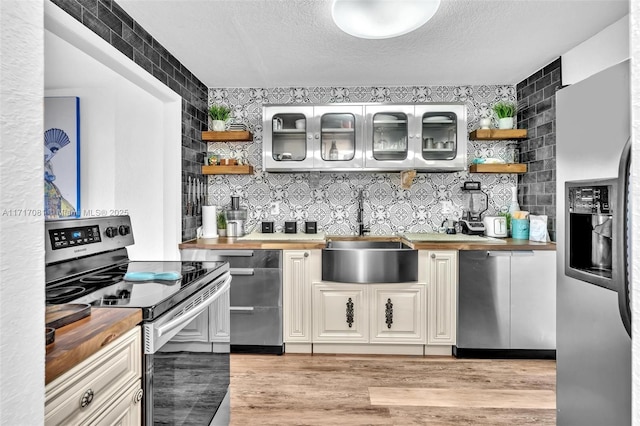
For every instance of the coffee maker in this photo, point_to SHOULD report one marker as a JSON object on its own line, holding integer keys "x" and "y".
{"x": 590, "y": 233}
{"x": 474, "y": 203}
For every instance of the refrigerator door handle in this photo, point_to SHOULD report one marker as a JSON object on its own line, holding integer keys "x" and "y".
{"x": 623, "y": 235}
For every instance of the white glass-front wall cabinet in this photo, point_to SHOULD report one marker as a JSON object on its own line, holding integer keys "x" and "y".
{"x": 312, "y": 137}
{"x": 348, "y": 137}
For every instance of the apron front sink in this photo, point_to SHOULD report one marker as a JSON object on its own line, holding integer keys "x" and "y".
{"x": 369, "y": 262}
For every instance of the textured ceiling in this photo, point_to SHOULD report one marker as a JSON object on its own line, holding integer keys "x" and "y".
{"x": 268, "y": 43}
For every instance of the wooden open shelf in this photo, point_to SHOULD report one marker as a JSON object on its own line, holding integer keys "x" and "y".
{"x": 227, "y": 170}
{"x": 498, "y": 168}
{"x": 230, "y": 136}
{"x": 497, "y": 134}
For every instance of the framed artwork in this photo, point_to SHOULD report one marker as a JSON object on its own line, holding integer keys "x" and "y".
{"x": 61, "y": 157}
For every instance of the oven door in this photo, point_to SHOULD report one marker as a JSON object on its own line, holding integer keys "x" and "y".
{"x": 187, "y": 387}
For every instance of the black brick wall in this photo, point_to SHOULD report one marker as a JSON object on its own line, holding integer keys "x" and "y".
{"x": 537, "y": 114}
{"x": 107, "y": 19}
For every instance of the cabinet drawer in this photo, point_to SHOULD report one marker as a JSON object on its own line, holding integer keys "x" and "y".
{"x": 104, "y": 375}
{"x": 256, "y": 326}
{"x": 256, "y": 287}
{"x": 126, "y": 410}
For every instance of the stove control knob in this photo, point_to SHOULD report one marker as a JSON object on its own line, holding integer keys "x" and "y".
{"x": 124, "y": 230}
{"x": 111, "y": 231}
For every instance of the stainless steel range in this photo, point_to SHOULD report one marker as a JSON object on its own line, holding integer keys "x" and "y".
{"x": 87, "y": 262}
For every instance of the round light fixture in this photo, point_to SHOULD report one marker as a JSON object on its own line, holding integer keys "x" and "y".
{"x": 374, "y": 19}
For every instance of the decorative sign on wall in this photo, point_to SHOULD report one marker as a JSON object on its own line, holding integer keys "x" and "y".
{"x": 62, "y": 157}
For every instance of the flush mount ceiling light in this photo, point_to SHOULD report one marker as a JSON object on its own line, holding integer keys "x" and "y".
{"x": 375, "y": 19}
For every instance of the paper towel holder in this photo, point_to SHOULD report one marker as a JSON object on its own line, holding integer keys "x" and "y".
{"x": 209, "y": 222}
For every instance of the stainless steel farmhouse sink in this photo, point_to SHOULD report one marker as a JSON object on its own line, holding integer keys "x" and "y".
{"x": 365, "y": 261}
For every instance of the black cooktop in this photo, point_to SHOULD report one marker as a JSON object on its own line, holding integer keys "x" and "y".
{"x": 109, "y": 288}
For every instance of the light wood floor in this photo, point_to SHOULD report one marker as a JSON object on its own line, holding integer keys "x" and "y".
{"x": 390, "y": 390}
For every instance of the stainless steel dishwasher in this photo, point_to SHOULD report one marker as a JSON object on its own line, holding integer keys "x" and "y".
{"x": 506, "y": 304}
{"x": 255, "y": 297}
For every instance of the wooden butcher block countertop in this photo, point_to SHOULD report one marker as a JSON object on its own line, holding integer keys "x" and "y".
{"x": 79, "y": 340}
{"x": 416, "y": 241}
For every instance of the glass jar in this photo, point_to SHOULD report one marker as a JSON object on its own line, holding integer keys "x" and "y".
{"x": 513, "y": 153}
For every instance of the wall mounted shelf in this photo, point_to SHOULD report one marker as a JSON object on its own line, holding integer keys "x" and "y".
{"x": 230, "y": 136}
{"x": 498, "y": 168}
{"x": 227, "y": 170}
{"x": 497, "y": 134}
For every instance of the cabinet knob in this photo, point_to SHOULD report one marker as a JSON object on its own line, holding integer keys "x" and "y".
{"x": 306, "y": 254}
{"x": 433, "y": 256}
{"x": 317, "y": 136}
{"x": 138, "y": 396}
{"x": 87, "y": 397}
{"x": 310, "y": 137}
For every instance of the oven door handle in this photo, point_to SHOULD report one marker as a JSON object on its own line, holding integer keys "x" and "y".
{"x": 186, "y": 318}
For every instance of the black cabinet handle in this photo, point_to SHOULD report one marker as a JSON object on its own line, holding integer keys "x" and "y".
{"x": 388, "y": 313}
{"x": 350, "y": 312}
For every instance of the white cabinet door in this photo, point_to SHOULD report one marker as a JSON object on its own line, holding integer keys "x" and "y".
{"x": 196, "y": 331}
{"x": 90, "y": 388}
{"x": 397, "y": 313}
{"x": 220, "y": 319}
{"x": 126, "y": 409}
{"x": 442, "y": 284}
{"x": 340, "y": 313}
{"x": 533, "y": 299}
{"x": 296, "y": 302}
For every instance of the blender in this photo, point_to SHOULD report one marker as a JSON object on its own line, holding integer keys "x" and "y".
{"x": 474, "y": 203}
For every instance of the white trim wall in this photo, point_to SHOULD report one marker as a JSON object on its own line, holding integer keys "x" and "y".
{"x": 610, "y": 46}
{"x": 22, "y": 346}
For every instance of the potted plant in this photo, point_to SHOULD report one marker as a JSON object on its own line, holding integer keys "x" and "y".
{"x": 505, "y": 111}
{"x": 219, "y": 115}
{"x": 222, "y": 224}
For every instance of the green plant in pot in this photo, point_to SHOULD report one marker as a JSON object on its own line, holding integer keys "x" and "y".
{"x": 505, "y": 111}
{"x": 222, "y": 224}
{"x": 219, "y": 115}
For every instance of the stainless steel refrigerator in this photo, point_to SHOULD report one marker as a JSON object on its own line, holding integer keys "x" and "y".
{"x": 593, "y": 317}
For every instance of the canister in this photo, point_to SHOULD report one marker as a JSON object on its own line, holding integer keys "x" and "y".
{"x": 290, "y": 227}
{"x": 310, "y": 227}
{"x": 520, "y": 229}
{"x": 267, "y": 227}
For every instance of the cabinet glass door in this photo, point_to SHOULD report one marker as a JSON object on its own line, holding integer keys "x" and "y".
{"x": 339, "y": 137}
{"x": 289, "y": 137}
{"x": 288, "y": 140}
{"x": 440, "y": 137}
{"x": 337, "y": 141}
{"x": 388, "y": 138}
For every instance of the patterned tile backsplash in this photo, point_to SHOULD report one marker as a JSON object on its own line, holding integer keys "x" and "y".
{"x": 330, "y": 198}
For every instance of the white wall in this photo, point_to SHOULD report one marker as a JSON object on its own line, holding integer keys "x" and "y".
{"x": 22, "y": 346}
{"x": 610, "y": 46}
{"x": 130, "y": 126}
